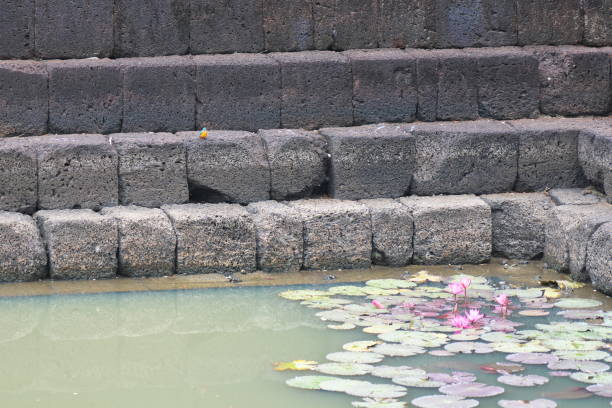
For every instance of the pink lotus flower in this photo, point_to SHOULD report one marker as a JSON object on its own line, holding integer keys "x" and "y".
{"x": 455, "y": 288}
{"x": 465, "y": 283}
{"x": 473, "y": 315}
{"x": 377, "y": 304}
{"x": 460, "y": 322}
{"x": 502, "y": 300}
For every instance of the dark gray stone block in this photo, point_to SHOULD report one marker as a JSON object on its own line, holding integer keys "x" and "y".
{"x": 450, "y": 229}
{"x": 597, "y": 22}
{"x": 152, "y": 169}
{"x": 73, "y": 28}
{"x": 427, "y": 82}
{"x": 464, "y": 157}
{"x": 21, "y": 249}
{"x": 147, "y": 243}
{"x": 372, "y": 161}
{"x": 316, "y": 89}
{"x": 337, "y": 234}
{"x": 549, "y": 21}
{"x": 457, "y": 86}
{"x": 345, "y": 25}
{"x": 158, "y": 94}
{"x": 407, "y": 24}
{"x": 288, "y": 27}
{"x": 151, "y": 28}
{"x": 595, "y": 153}
{"x": 280, "y": 240}
{"x": 519, "y": 220}
{"x": 575, "y": 196}
{"x": 227, "y": 166}
{"x": 608, "y": 186}
{"x": 298, "y": 163}
{"x": 85, "y": 96}
{"x": 599, "y": 261}
{"x": 213, "y": 238}
{"x": 17, "y": 29}
{"x": 238, "y": 92}
{"x": 579, "y": 236}
{"x": 384, "y": 86}
{"x": 24, "y": 98}
{"x": 18, "y": 169}
{"x": 226, "y": 26}
{"x": 76, "y": 171}
{"x": 392, "y": 231}
{"x": 81, "y": 244}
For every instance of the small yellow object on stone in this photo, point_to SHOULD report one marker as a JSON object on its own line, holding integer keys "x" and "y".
{"x": 203, "y": 133}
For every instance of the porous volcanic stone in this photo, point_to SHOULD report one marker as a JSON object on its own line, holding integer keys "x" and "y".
{"x": 407, "y": 24}
{"x": 147, "y": 243}
{"x": 238, "y": 91}
{"x": 450, "y": 229}
{"x": 392, "y": 231}
{"x": 457, "y": 85}
{"x": 464, "y": 157}
{"x": 24, "y": 105}
{"x": 595, "y": 153}
{"x": 574, "y": 196}
{"x": 579, "y": 239}
{"x": 288, "y": 28}
{"x": 427, "y": 81}
{"x": 85, "y": 96}
{"x": 599, "y": 261}
{"x": 597, "y": 22}
{"x": 372, "y": 161}
{"x": 152, "y": 169}
{"x": 519, "y": 220}
{"x": 21, "y": 249}
{"x": 213, "y": 238}
{"x": 344, "y": 25}
{"x": 81, "y": 244}
{"x": 227, "y": 166}
{"x": 337, "y": 234}
{"x": 18, "y": 169}
{"x": 280, "y": 236}
{"x": 76, "y": 171}
{"x": 17, "y": 29}
{"x": 549, "y": 22}
{"x": 298, "y": 162}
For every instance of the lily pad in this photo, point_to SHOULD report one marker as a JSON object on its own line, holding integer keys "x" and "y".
{"x": 415, "y": 338}
{"x": 364, "y": 389}
{"x": 296, "y": 365}
{"x": 529, "y": 347}
{"x": 346, "y": 290}
{"x": 417, "y": 381}
{"x": 572, "y": 393}
{"x": 364, "y": 345}
{"x": 581, "y": 355}
{"x": 575, "y": 345}
{"x": 584, "y": 366}
{"x": 360, "y": 357}
{"x": 444, "y": 401}
{"x": 383, "y": 328}
{"x": 344, "y": 368}
{"x": 397, "y": 371}
{"x": 499, "y": 337}
{"x": 390, "y": 283}
{"x": 577, "y": 303}
{"x": 326, "y": 303}
{"x": 424, "y": 276}
{"x": 522, "y": 380}
{"x": 502, "y": 368}
{"x": 469, "y": 347}
{"x": 602, "y": 390}
{"x": 303, "y": 294}
{"x": 537, "y": 403}
{"x": 471, "y": 390}
{"x": 343, "y": 326}
{"x": 593, "y": 378}
{"x": 456, "y": 377}
{"x": 376, "y": 403}
{"x": 559, "y": 373}
{"x": 532, "y": 358}
{"x": 441, "y": 353}
{"x": 533, "y": 312}
{"x": 308, "y": 382}
{"x": 398, "y": 350}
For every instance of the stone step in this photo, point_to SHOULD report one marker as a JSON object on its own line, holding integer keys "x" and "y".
{"x": 310, "y": 89}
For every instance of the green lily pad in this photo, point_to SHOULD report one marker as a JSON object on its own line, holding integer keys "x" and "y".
{"x": 472, "y": 390}
{"x": 364, "y": 389}
{"x": 586, "y": 366}
{"x": 303, "y": 294}
{"x": 469, "y": 347}
{"x": 474, "y": 279}
{"x": 343, "y": 326}
{"x": 397, "y": 371}
{"x": 415, "y": 338}
{"x": 344, "y": 368}
{"x": 363, "y": 345}
{"x": 361, "y": 357}
{"x": 529, "y": 347}
{"x": 374, "y": 403}
{"x": 346, "y": 290}
{"x": 444, "y": 401}
{"x": 592, "y": 378}
{"x": 390, "y": 283}
{"x": 308, "y": 382}
{"x": 501, "y": 337}
{"x": 324, "y": 303}
{"x": 398, "y": 350}
{"x": 573, "y": 345}
{"x": 537, "y": 403}
{"x": 522, "y": 380}
{"x": 417, "y": 381}
{"x": 577, "y": 303}
{"x": 581, "y": 355}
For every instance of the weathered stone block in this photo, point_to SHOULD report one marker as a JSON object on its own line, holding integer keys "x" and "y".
{"x": 74, "y": 29}
{"x": 464, "y": 157}
{"x": 450, "y": 229}
{"x": 227, "y": 166}
{"x": 549, "y": 22}
{"x": 238, "y": 91}
{"x": 384, "y": 86}
{"x": 17, "y": 29}
{"x": 337, "y": 234}
{"x": 595, "y": 153}
{"x": 597, "y": 22}
{"x": 147, "y": 243}
{"x": 345, "y": 25}
{"x": 81, "y": 244}
{"x": 298, "y": 163}
{"x": 85, "y": 96}
{"x": 76, "y": 171}
{"x": 608, "y": 186}
{"x": 24, "y": 98}
{"x": 152, "y": 169}
{"x": 457, "y": 86}
{"x": 519, "y": 220}
{"x": 427, "y": 81}
{"x": 372, "y": 161}
{"x": 280, "y": 240}
{"x": 18, "y": 169}
{"x": 574, "y": 196}
{"x": 316, "y": 89}
{"x": 288, "y": 28}
{"x": 599, "y": 261}
{"x": 151, "y": 28}
{"x": 392, "y": 231}
{"x": 213, "y": 238}
{"x": 158, "y": 94}
{"x": 407, "y": 24}
{"x": 578, "y": 239}
{"x": 21, "y": 249}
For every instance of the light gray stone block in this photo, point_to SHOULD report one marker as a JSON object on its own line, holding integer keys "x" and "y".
{"x": 213, "y": 238}
{"x": 597, "y": 22}
{"x": 575, "y": 196}
{"x": 18, "y": 169}
{"x": 147, "y": 244}
{"x": 599, "y": 259}
{"x": 21, "y": 249}
{"x": 337, "y": 234}
{"x": 81, "y": 244}
{"x": 450, "y": 229}
{"x": 595, "y": 153}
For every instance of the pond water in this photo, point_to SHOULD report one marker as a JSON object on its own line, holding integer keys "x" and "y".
{"x": 210, "y": 348}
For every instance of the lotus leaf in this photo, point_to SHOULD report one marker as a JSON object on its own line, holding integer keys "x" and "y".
{"x": 424, "y": 276}
{"x": 465, "y": 335}
{"x": 522, "y": 380}
{"x": 364, "y": 389}
{"x": 500, "y": 337}
{"x": 303, "y": 294}
{"x": 444, "y": 401}
{"x": 580, "y": 314}
{"x": 383, "y": 328}
{"x": 343, "y": 326}
{"x": 559, "y": 373}
{"x": 360, "y": 357}
{"x": 343, "y": 368}
{"x": 532, "y": 358}
{"x": 416, "y": 381}
{"x": 537, "y": 403}
{"x": 415, "y": 338}
{"x": 602, "y": 390}
{"x": 337, "y": 315}
{"x": 324, "y": 303}
{"x": 441, "y": 353}
{"x": 502, "y": 368}
{"x": 522, "y": 293}
{"x": 529, "y": 347}
{"x": 593, "y": 378}
{"x": 398, "y": 350}
{"x": 296, "y": 365}
{"x": 390, "y": 283}
{"x": 474, "y": 279}
{"x": 364, "y": 345}
{"x": 550, "y": 293}
{"x": 577, "y": 303}
{"x": 573, "y": 345}
{"x": 397, "y": 371}
{"x": 581, "y": 355}
{"x": 375, "y": 403}
{"x": 584, "y": 366}
{"x": 455, "y": 377}
{"x": 533, "y": 312}
{"x": 374, "y": 291}
{"x": 308, "y": 382}
{"x": 469, "y": 347}
{"x": 471, "y": 390}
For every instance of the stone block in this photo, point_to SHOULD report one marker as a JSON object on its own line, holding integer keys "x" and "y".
{"x": 151, "y": 28}
{"x": 427, "y": 82}
{"x": 223, "y": 26}
{"x": 578, "y": 240}
{"x": 519, "y": 220}
{"x": 345, "y": 25}
{"x": 599, "y": 261}
{"x": 73, "y": 28}
{"x": 575, "y": 196}
{"x": 392, "y": 231}
{"x": 24, "y": 95}
{"x": 280, "y": 240}
{"x": 372, "y": 161}
{"x": 298, "y": 163}
{"x": 85, "y": 96}
{"x": 152, "y": 169}
{"x": 288, "y": 27}
{"x": 464, "y": 157}
{"x": 18, "y": 169}
{"x": 608, "y": 186}
{"x": 457, "y": 86}
{"x": 81, "y": 244}
{"x": 549, "y": 21}
{"x": 237, "y": 92}
{"x": 407, "y": 24}
{"x": 158, "y": 94}
{"x": 21, "y": 249}
{"x": 213, "y": 238}
{"x": 316, "y": 89}
{"x": 76, "y": 171}
{"x": 595, "y": 153}
{"x": 450, "y": 229}
{"x": 17, "y": 29}
{"x": 597, "y": 22}
{"x": 227, "y": 166}
{"x": 384, "y": 86}
{"x": 337, "y": 234}
{"x": 147, "y": 243}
